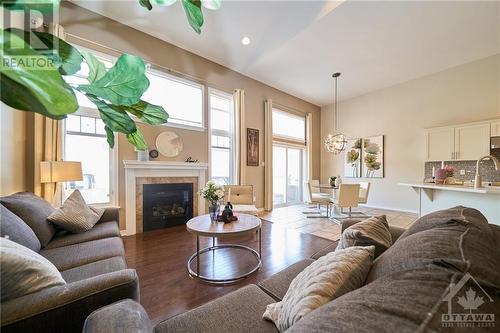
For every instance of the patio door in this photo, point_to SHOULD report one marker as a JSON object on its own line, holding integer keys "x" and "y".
{"x": 288, "y": 175}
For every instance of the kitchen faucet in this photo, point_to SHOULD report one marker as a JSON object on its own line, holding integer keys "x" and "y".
{"x": 477, "y": 180}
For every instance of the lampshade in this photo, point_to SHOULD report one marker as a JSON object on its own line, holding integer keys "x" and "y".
{"x": 60, "y": 171}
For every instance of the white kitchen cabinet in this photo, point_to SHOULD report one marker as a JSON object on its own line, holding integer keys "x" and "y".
{"x": 440, "y": 144}
{"x": 495, "y": 128}
{"x": 472, "y": 141}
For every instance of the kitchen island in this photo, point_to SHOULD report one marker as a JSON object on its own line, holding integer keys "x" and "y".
{"x": 433, "y": 197}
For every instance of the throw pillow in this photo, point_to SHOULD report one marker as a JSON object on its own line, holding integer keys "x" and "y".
{"x": 34, "y": 211}
{"x": 24, "y": 271}
{"x": 327, "y": 278}
{"x": 372, "y": 231}
{"x": 13, "y": 228}
{"x": 74, "y": 215}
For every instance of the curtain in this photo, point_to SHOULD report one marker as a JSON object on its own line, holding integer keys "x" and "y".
{"x": 47, "y": 142}
{"x": 268, "y": 155}
{"x": 309, "y": 145}
{"x": 240, "y": 135}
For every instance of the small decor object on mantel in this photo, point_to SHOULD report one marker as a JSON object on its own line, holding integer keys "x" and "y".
{"x": 142, "y": 155}
{"x": 153, "y": 153}
{"x": 169, "y": 144}
{"x": 252, "y": 147}
{"x": 191, "y": 160}
{"x": 213, "y": 193}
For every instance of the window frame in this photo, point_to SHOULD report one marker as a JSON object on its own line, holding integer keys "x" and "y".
{"x": 286, "y": 138}
{"x": 233, "y": 168}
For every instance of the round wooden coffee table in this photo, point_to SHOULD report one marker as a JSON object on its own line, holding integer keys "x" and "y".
{"x": 203, "y": 226}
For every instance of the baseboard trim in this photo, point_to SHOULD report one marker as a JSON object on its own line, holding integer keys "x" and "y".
{"x": 391, "y": 208}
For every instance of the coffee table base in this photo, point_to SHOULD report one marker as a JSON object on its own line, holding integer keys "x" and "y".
{"x": 196, "y": 256}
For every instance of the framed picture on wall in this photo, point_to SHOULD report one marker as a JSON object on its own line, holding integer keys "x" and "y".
{"x": 352, "y": 163}
{"x": 373, "y": 157}
{"x": 252, "y": 147}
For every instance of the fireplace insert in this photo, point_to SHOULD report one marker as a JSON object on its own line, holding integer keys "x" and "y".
{"x": 167, "y": 205}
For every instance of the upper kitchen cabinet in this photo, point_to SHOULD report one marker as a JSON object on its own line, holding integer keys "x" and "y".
{"x": 440, "y": 143}
{"x": 495, "y": 128}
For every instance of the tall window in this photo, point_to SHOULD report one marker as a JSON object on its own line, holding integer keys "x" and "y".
{"x": 85, "y": 141}
{"x": 222, "y": 140}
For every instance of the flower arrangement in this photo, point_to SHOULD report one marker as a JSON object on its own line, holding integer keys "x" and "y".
{"x": 450, "y": 171}
{"x": 212, "y": 192}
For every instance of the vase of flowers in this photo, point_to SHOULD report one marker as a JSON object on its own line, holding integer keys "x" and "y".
{"x": 213, "y": 193}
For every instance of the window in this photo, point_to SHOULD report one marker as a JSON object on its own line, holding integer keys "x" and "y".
{"x": 289, "y": 126}
{"x": 85, "y": 141}
{"x": 222, "y": 139}
{"x": 182, "y": 99}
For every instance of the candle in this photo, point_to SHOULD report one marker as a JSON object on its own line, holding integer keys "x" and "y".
{"x": 229, "y": 195}
{"x": 433, "y": 172}
{"x": 442, "y": 164}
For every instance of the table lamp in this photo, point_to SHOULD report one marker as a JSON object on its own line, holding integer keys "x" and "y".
{"x": 57, "y": 172}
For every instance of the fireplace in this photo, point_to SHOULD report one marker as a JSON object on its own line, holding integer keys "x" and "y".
{"x": 166, "y": 205}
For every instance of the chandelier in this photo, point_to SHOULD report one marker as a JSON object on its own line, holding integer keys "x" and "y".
{"x": 335, "y": 143}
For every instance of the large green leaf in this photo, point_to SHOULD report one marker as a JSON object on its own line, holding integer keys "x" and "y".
{"x": 165, "y": 2}
{"x": 211, "y": 4}
{"x": 146, "y": 4}
{"x": 96, "y": 68}
{"x": 149, "y": 113}
{"x": 193, "y": 14}
{"x": 66, "y": 57}
{"x": 40, "y": 5}
{"x": 110, "y": 136}
{"x": 115, "y": 120}
{"x": 137, "y": 139}
{"x": 32, "y": 88}
{"x": 123, "y": 84}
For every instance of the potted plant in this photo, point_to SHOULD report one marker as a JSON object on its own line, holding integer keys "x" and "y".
{"x": 332, "y": 180}
{"x": 213, "y": 193}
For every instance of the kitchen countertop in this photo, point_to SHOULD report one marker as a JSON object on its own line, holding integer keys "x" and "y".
{"x": 456, "y": 188}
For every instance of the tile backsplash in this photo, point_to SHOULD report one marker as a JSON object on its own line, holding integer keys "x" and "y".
{"x": 487, "y": 170}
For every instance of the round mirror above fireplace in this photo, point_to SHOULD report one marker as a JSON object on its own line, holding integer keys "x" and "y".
{"x": 169, "y": 144}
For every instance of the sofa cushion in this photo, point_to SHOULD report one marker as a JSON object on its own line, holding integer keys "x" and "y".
{"x": 99, "y": 231}
{"x": 24, "y": 271}
{"x": 329, "y": 277}
{"x": 74, "y": 215}
{"x": 12, "y": 227}
{"x": 240, "y": 311}
{"x": 448, "y": 239}
{"x": 371, "y": 231}
{"x": 330, "y": 248}
{"x": 277, "y": 285}
{"x": 67, "y": 257}
{"x": 93, "y": 269}
{"x": 403, "y": 302}
{"x": 124, "y": 316}
{"x": 34, "y": 211}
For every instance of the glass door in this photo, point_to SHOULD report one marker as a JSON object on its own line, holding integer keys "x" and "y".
{"x": 288, "y": 175}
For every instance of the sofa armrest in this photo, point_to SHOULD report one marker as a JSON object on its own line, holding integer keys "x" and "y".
{"x": 65, "y": 308}
{"x": 110, "y": 214}
{"x": 125, "y": 316}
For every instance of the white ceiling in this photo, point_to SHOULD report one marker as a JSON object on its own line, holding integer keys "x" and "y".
{"x": 296, "y": 45}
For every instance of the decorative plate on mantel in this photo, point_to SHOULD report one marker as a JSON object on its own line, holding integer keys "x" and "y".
{"x": 169, "y": 144}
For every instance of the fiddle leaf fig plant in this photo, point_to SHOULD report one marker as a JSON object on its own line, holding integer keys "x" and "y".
{"x": 192, "y": 8}
{"x": 33, "y": 69}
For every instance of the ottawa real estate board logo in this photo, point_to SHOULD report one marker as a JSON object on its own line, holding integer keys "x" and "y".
{"x": 465, "y": 299}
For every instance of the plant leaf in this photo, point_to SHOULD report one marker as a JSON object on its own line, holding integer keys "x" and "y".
{"x": 149, "y": 113}
{"x": 115, "y": 120}
{"x": 123, "y": 84}
{"x": 66, "y": 57}
{"x": 110, "y": 136}
{"x": 193, "y": 14}
{"x": 137, "y": 139}
{"x": 165, "y": 2}
{"x": 146, "y": 4}
{"x": 211, "y": 4}
{"x": 96, "y": 68}
{"x": 40, "y": 5}
{"x": 31, "y": 88}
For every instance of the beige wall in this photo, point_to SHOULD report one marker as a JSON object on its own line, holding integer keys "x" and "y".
{"x": 461, "y": 94}
{"x": 13, "y": 161}
{"x": 112, "y": 34}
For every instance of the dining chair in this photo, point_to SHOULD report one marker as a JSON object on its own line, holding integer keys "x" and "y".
{"x": 346, "y": 197}
{"x": 317, "y": 199}
{"x": 364, "y": 190}
{"x": 241, "y": 197}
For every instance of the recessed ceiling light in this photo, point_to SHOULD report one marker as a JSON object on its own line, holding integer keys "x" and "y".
{"x": 245, "y": 40}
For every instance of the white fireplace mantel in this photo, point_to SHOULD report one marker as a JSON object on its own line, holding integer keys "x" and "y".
{"x": 136, "y": 169}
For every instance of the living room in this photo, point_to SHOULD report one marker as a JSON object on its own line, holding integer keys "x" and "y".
{"x": 357, "y": 145}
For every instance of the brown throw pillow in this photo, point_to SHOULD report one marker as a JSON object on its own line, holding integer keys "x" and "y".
{"x": 372, "y": 231}
{"x": 74, "y": 215}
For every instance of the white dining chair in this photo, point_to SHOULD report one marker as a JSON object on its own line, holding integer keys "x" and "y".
{"x": 346, "y": 197}
{"x": 317, "y": 199}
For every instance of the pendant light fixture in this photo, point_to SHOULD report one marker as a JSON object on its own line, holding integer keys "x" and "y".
{"x": 335, "y": 143}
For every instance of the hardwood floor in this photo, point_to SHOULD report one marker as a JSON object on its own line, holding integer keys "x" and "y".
{"x": 160, "y": 259}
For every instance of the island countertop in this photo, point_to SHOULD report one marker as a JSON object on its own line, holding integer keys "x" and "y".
{"x": 456, "y": 188}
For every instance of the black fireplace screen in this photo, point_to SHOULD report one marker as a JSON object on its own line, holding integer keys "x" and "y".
{"x": 167, "y": 205}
